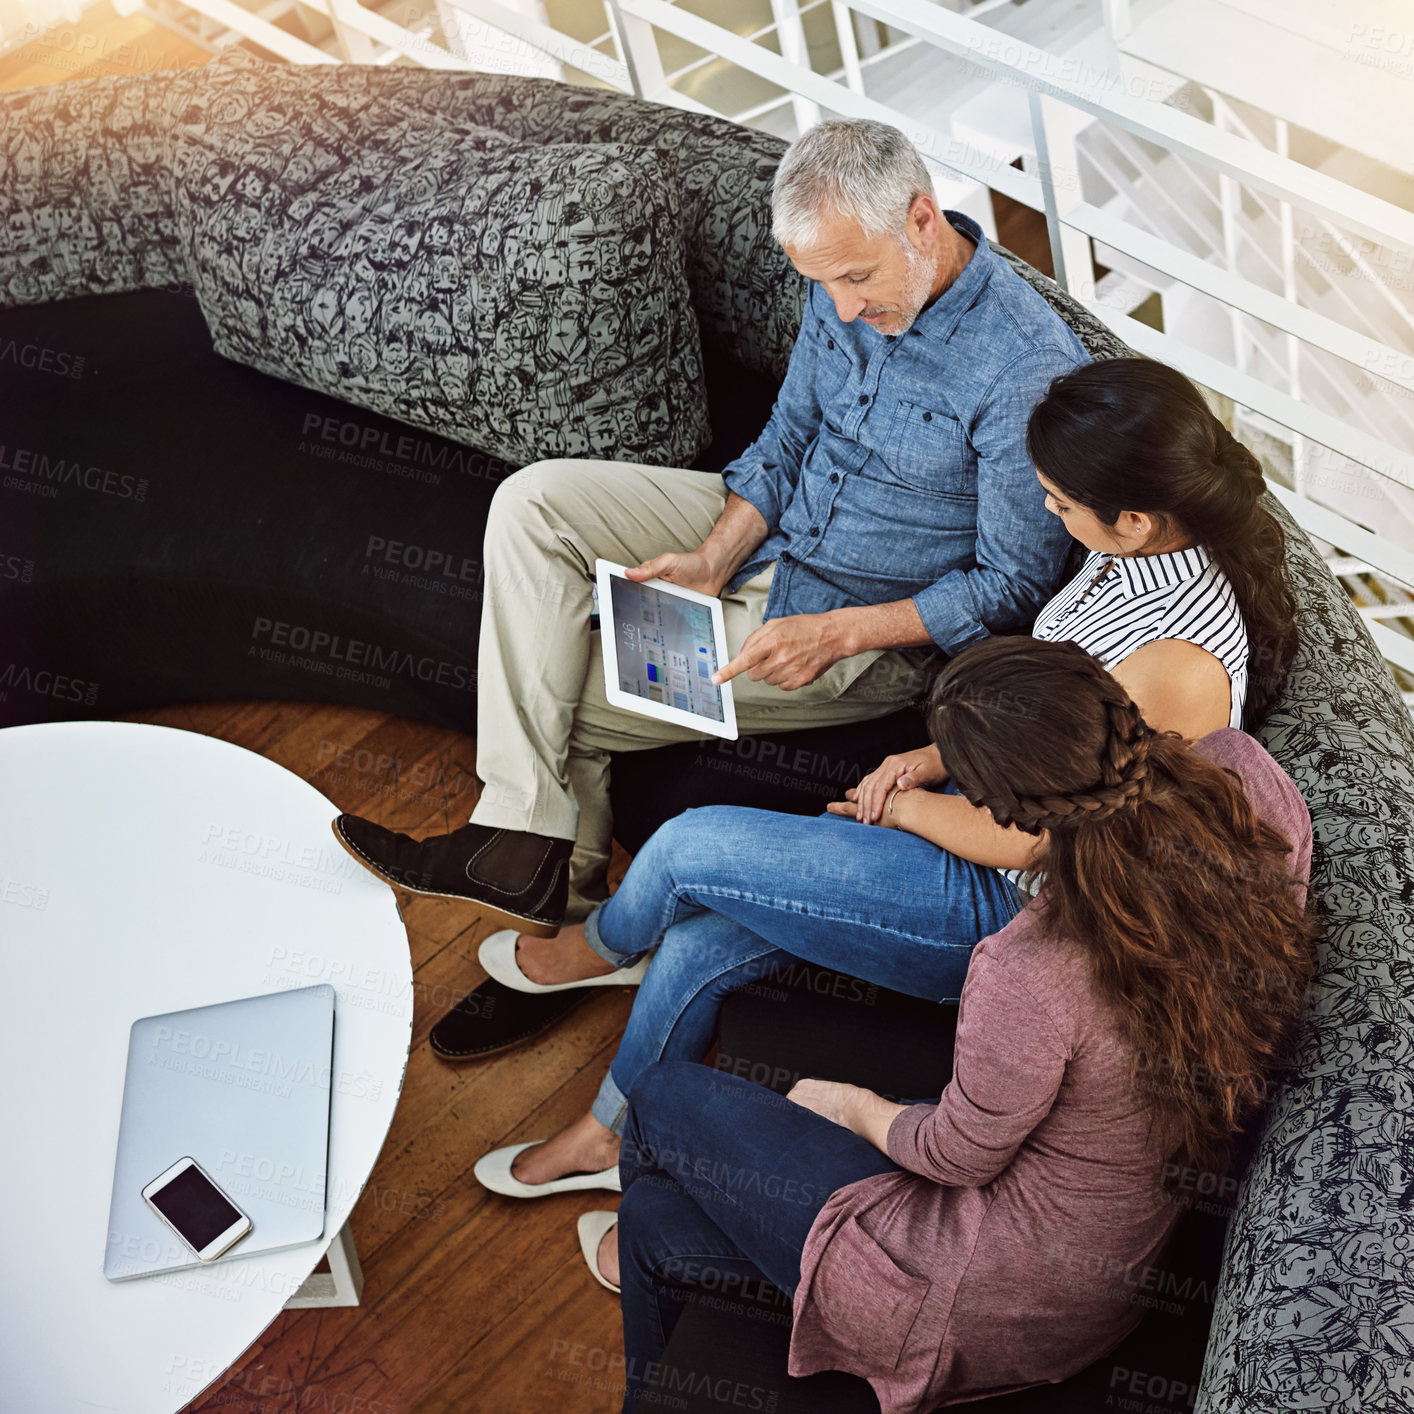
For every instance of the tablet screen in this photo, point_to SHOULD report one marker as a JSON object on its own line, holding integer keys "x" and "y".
{"x": 665, "y": 649}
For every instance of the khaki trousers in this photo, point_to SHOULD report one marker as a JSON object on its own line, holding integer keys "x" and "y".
{"x": 544, "y": 727}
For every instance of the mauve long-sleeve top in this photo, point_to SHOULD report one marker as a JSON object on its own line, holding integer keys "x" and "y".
{"x": 1018, "y": 1242}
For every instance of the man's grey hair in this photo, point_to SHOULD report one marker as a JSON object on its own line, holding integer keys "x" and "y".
{"x": 853, "y": 167}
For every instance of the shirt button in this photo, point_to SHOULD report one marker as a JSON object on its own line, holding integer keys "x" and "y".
{"x": 829, "y": 343}
{"x": 834, "y": 478}
{"x": 927, "y": 417}
{"x": 815, "y": 530}
{"x": 785, "y": 557}
{"x": 863, "y": 398}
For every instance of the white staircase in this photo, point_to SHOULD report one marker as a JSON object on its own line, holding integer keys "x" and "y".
{"x": 1340, "y": 68}
{"x": 1332, "y": 85}
{"x": 1312, "y": 261}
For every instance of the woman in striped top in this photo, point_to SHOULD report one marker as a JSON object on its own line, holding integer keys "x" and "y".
{"x": 1188, "y": 603}
{"x": 1185, "y": 601}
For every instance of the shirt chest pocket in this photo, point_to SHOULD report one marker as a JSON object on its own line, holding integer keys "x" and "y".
{"x": 927, "y": 449}
{"x": 835, "y": 372}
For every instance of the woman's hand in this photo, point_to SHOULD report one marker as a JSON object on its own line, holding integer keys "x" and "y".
{"x": 911, "y": 769}
{"x": 849, "y": 808}
{"x": 867, "y": 1114}
{"x": 830, "y": 1099}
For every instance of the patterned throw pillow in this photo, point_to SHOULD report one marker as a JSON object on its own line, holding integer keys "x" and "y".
{"x": 529, "y": 301}
{"x": 85, "y": 183}
{"x": 747, "y": 295}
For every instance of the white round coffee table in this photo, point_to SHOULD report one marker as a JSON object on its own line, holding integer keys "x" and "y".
{"x": 147, "y": 870}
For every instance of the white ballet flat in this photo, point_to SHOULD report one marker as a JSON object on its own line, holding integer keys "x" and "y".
{"x": 592, "y": 1227}
{"x": 493, "y": 1171}
{"x": 497, "y": 954}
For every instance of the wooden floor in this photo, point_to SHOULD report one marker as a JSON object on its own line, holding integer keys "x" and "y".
{"x": 1023, "y": 232}
{"x": 472, "y": 1304}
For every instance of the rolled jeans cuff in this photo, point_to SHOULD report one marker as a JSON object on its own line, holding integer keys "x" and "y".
{"x": 610, "y": 1106}
{"x": 595, "y": 939}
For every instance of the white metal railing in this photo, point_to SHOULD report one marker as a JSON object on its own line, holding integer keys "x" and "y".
{"x": 1062, "y": 96}
{"x": 1176, "y": 196}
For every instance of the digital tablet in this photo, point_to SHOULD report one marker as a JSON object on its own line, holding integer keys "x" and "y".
{"x": 662, "y": 643}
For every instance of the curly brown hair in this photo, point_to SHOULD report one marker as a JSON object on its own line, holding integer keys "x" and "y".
{"x": 1154, "y": 862}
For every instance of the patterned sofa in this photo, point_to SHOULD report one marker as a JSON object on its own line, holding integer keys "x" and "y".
{"x": 172, "y": 498}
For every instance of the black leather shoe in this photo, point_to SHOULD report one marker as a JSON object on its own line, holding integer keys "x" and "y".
{"x": 493, "y": 1018}
{"x": 520, "y": 879}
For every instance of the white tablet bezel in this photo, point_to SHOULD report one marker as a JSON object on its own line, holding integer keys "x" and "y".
{"x": 604, "y": 573}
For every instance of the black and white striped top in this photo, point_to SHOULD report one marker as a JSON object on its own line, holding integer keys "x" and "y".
{"x": 1117, "y": 604}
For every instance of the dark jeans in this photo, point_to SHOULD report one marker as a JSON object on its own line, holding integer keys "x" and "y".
{"x": 722, "y": 896}
{"x": 722, "y": 1180}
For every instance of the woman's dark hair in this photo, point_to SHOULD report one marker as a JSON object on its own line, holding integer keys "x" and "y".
{"x": 1155, "y": 863}
{"x": 1132, "y": 434}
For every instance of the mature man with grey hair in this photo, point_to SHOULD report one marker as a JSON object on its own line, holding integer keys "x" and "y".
{"x": 843, "y": 180}
{"x": 888, "y": 506}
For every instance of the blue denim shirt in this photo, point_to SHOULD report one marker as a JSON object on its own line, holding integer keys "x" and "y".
{"x": 896, "y": 467}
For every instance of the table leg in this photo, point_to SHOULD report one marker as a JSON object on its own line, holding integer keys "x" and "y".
{"x": 341, "y": 1285}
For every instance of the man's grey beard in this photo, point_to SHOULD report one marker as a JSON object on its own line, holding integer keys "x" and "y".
{"x": 918, "y": 278}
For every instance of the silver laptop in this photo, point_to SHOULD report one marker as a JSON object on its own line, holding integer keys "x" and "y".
{"x": 243, "y": 1088}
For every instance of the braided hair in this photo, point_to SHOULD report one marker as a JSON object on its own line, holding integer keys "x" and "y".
{"x": 1118, "y": 778}
{"x": 1154, "y": 863}
{"x": 1124, "y": 781}
{"x": 1134, "y": 434}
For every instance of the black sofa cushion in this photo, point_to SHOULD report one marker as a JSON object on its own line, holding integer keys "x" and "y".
{"x": 72, "y": 154}
{"x": 747, "y": 295}
{"x": 530, "y": 301}
{"x": 193, "y": 524}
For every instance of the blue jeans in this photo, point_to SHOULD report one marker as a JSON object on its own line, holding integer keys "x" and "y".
{"x": 722, "y": 1180}
{"x": 729, "y": 895}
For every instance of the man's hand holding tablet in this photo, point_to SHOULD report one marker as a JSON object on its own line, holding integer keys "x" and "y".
{"x": 691, "y": 571}
{"x": 786, "y": 653}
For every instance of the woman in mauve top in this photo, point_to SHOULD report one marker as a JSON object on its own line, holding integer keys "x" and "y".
{"x": 1110, "y": 1037}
